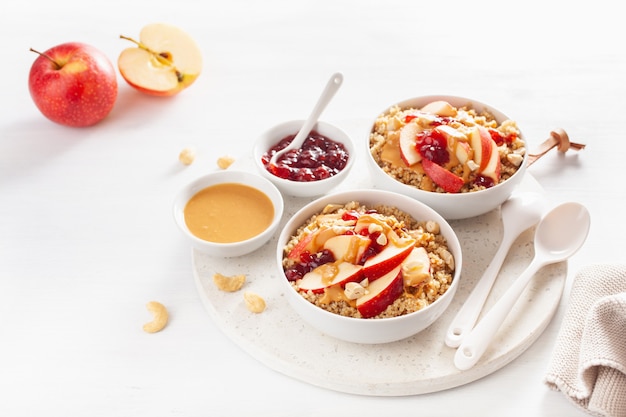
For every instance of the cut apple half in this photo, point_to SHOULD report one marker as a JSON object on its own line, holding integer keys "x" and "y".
{"x": 408, "y": 142}
{"x": 166, "y": 60}
{"x": 386, "y": 260}
{"x": 338, "y": 273}
{"x": 381, "y": 293}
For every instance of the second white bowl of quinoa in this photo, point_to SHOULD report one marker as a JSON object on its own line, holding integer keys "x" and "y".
{"x": 336, "y": 310}
{"x": 468, "y": 187}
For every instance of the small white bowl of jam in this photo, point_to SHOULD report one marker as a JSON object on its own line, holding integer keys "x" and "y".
{"x": 228, "y": 213}
{"x": 323, "y": 161}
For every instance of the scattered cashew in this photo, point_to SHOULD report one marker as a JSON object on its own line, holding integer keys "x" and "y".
{"x": 225, "y": 161}
{"x": 159, "y": 321}
{"x": 187, "y": 156}
{"x": 229, "y": 284}
{"x": 254, "y": 302}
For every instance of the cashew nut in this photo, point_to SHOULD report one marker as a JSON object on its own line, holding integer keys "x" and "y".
{"x": 223, "y": 162}
{"x": 187, "y": 156}
{"x": 229, "y": 284}
{"x": 254, "y": 302}
{"x": 159, "y": 321}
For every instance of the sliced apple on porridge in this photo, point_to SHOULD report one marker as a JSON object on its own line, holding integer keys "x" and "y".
{"x": 381, "y": 293}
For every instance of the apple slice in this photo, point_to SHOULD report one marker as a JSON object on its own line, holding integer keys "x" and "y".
{"x": 463, "y": 152}
{"x": 416, "y": 267}
{"x": 349, "y": 248}
{"x": 384, "y": 261}
{"x": 305, "y": 244}
{"x": 440, "y": 108}
{"x": 450, "y": 182}
{"x": 337, "y": 273}
{"x": 480, "y": 140}
{"x": 408, "y": 142}
{"x": 312, "y": 242}
{"x": 493, "y": 166}
{"x": 381, "y": 293}
{"x": 165, "y": 61}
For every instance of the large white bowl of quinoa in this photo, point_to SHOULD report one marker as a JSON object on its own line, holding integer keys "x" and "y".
{"x": 472, "y": 200}
{"x": 407, "y": 316}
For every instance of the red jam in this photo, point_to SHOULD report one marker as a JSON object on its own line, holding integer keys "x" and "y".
{"x": 317, "y": 159}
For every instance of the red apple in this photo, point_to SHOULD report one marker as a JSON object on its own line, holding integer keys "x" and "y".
{"x": 330, "y": 274}
{"x": 381, "y": 293}
{"x": 386, "y": 260}
{"x": 73, "y": 84}
{"x": 408, "y": 144}
{"x": 450, "y": 182}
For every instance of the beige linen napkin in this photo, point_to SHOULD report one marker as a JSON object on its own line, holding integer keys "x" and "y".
{"x": 588, "y": 364}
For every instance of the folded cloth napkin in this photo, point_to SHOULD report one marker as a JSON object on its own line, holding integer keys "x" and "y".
{"x": 588, "y": 364}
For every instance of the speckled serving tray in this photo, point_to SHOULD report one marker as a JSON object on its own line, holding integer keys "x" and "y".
{"x": 417, "y": 365}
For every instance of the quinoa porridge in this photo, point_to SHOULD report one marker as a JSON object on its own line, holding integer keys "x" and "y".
{"x": 347, "y": 257}
{"x": 441, "y": 148}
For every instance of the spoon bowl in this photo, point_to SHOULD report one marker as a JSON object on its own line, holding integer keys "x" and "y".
{"x": 520, "y": 212}
{"x": 558, "y": 236}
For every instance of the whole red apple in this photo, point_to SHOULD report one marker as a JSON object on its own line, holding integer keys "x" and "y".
{"x": 73, "y": 84}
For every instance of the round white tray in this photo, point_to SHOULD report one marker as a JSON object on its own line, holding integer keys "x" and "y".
{"x": 417, "y": 365}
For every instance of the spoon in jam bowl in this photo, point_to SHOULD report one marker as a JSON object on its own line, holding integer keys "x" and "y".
{"x": 331, "y": 88}
{"x": 520, "y": 212}
{"x": 557, "y": 237}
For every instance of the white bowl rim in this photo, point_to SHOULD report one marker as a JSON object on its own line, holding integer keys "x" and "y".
{"x": 429, "y": 98}
{"x": 343, "y": 196}
{"x": 348, "y": 143}
{"x": 220, "y": 177}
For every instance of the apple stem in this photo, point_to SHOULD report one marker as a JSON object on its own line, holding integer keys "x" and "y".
{"x": 163, "y": 57}
{"x": 56, "y": 64}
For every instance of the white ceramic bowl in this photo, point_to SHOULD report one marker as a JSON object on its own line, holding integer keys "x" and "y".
{"x": 451, "y": 206}
{"x": 274, "y": 135}
{"x": 359, "y": 330}
{"x": 221, "y": 177}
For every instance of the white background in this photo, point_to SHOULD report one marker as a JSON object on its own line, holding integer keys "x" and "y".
{"x": 86, "y": 231}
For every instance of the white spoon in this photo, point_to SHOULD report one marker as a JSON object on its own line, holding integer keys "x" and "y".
{"x": 520, "y": 212}
{"x": 557, "y": 237}
{"x": 331, "y": 88}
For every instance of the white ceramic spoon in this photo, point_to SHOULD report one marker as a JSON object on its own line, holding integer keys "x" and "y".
{"x": 331, "y": 88}
{"x": 520, "y": 212}
{"x": 557, "y": 237}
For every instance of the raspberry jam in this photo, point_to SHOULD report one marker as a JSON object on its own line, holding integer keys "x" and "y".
{"x": 317, "y": 159}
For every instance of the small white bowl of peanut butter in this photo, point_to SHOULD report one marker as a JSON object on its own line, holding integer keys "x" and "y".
{"x": 228, "y": 213}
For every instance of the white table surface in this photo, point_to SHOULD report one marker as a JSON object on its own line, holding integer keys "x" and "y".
{"x": 86, "y": 232}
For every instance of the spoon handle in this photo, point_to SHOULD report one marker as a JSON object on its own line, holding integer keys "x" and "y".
{"x": 467, "y": 316}
{"x": 333, "y": 84}
{"x": 331, "y": 88}
{"x": 476, "y": 342}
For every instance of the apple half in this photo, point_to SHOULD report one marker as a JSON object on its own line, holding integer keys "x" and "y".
{"x": 165, "y": 61}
